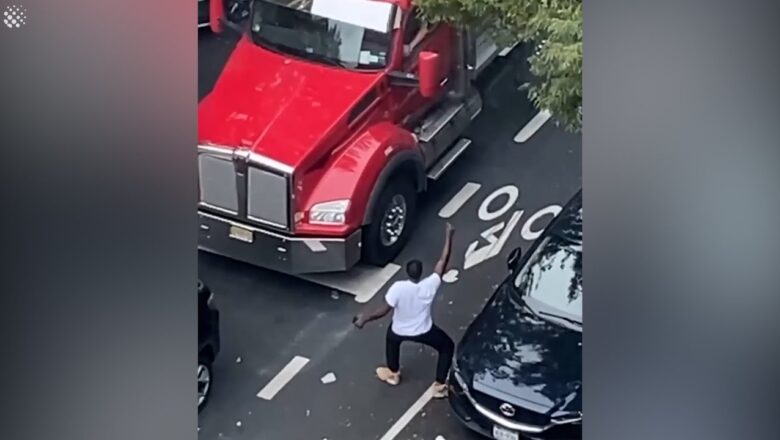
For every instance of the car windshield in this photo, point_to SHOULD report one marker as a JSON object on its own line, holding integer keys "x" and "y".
{"x": 551, "y": 280}
{"x": 354, "y": 34}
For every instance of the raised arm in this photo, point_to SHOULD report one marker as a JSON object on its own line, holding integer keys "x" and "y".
{"x": 444, "y": 260}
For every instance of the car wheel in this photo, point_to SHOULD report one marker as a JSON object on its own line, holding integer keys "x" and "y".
{"x": 392, "y": 223}
{"x": 205, "y": 380}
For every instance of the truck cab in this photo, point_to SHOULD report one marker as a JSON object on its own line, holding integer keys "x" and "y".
{"x": 327, "y": 121}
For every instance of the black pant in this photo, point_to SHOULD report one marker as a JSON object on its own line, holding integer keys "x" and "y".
{"x": 435, "y": 338}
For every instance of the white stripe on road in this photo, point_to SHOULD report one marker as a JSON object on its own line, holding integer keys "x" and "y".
{"x": 362, "y": 281}
{"x": 280, "y": 380}
{"x": 459, "y": 199}
{"x": 408, "y": 416}
{"x": 532, "y": 126}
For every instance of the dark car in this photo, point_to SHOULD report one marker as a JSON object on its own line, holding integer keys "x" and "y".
{"x": 208, "y": 342}
{"x": 518, "y": 369}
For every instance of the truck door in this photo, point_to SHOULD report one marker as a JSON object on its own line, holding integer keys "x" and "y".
{"x": 411, "y": 106}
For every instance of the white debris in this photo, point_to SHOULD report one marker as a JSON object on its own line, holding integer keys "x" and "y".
{"x": 238, "y": 360}
{"x": 328, "y": 378}
{"x": 307, "y": 413}
{"x": 238, "y": 423}
{"x": 334, "y": 294}
{"x": 440, "y": 437}
{"x": 451, "y": 276}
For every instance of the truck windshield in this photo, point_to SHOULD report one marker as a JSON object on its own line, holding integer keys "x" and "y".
{"x": 324, "y": 31}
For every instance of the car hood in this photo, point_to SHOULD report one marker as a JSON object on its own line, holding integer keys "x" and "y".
{"x": 512, "y": 355}
{"x": 283, "y": 108}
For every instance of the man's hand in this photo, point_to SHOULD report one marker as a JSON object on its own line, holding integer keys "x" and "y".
{"x": 441, "y": 265}
{"x": 358, "y": 320}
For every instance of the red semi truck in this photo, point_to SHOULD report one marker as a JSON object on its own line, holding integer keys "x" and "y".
{"x": 328, "y": 120}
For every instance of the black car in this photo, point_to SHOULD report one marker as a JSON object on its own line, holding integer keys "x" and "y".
{"x": 518, "y": 369}
{"x": 208, "y": 342}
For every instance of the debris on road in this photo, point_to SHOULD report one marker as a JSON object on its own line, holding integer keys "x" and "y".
{"x": 334, "y": 294}
{"x": 439, "y": 437}
{"x": 451, "y": 276}
{"x": 328, "y": 378}
{"x": 238, "y": 360}
{"x": 307, "y": 413}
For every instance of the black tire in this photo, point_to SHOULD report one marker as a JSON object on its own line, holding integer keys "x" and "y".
{"x": 205, "y": 362}
{"x": 377, "y": 251}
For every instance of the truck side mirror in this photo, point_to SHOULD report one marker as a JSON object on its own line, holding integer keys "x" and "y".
{"x": 429, "y": 73}
{"x": 216, "y": 15}
{"x": 513, "y": 258}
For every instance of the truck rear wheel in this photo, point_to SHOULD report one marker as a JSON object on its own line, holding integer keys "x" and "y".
{"x": 392, "y": 223}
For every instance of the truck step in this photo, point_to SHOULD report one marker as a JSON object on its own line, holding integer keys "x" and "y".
{"x": 448, "y": 158}
{"x": 453, "y": 112}
{"x": 434, "y": 123}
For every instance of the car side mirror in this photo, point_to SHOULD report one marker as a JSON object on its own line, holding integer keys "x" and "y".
{"x": 514, "y": 258}
{"x": 429, "y": 74}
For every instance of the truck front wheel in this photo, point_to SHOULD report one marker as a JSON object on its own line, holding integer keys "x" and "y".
{"x": 391, "y": 224}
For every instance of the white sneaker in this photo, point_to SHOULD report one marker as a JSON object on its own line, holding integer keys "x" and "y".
{"x": 385, "y": 375}
{"x": 440, "y": 390}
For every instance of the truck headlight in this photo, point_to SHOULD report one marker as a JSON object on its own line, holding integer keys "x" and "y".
{"x": 329, "y": 213}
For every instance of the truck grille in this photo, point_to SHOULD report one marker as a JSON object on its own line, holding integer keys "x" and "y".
{"x": 522, "y": 415}
{"x": 218, "y": 183}
{"x": 244, "y": 189}
{"x": 267, "y": 197}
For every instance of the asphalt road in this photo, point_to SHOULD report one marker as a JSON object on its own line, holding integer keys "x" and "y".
{"x": 268, "y": 319}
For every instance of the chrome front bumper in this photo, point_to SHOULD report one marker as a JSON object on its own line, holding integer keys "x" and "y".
{"x": 275, "y": 251}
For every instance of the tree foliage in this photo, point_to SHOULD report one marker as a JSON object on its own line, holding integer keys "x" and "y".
{"x": 553, "y": 27}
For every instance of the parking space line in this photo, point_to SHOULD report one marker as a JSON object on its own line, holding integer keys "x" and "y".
{"x": 282, "y": 378}
{"x": 408, "y": 416}
{"x": 362, "y": 281}
{"x": 459, "y": 199}
{"x": 532, "y": 126}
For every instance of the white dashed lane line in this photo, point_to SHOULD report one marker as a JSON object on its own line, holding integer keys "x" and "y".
{"x": 408, "y": 416}
{"x": 459, "y": 199}
{"x": 280, "y": 380}
{"x": 362, "y": 281}
{"x": 532, "y": 126}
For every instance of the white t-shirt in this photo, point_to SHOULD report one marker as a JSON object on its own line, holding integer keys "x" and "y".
{"x": 411, "y": 305}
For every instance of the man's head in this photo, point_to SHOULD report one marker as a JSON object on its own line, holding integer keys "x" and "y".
{"x": 414, "y": 270}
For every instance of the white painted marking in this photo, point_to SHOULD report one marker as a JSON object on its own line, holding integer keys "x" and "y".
{"x": 526, "y": 231}
{"x": 280, "y": 380}
{"x": 458, "y": 200}
{"x": 362, "y": 281}
{"x": 510, "y": 190}
{"x": 476, "y": 256}
{"x": 408, "y": 416}
{"x": 315, "y": 245}
{"x": 532, "y": 126}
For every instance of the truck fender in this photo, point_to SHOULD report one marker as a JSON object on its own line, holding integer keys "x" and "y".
{"x": 404, "y": 158}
